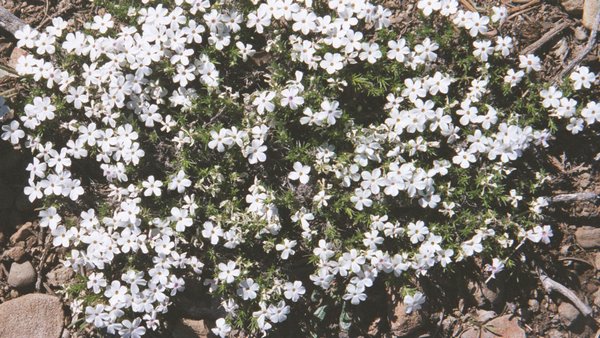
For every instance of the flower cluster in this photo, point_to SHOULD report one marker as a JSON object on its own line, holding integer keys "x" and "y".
{"x": 228, "y": 141}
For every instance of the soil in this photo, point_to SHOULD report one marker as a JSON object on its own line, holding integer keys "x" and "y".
{"x": 460, "y": 309}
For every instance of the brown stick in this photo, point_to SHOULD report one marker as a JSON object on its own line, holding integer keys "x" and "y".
{"x": 522, "y": 12}
{"x": 9, "y": 22}
{"x": 578, "y": 196}
{"x": 469, "y": 5}
{"x": 527, "y": 5}
{"x": 588, "y": 48}
{"x": 551, "y": 285}
{"x": 545, "y": 38}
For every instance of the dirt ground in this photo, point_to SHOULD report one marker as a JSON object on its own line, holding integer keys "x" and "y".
{"x": 520, "y": 300}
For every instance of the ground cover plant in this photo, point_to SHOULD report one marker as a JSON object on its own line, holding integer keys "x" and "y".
{"x": 287, "y": 154}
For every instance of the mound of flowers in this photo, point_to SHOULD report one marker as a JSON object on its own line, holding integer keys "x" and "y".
{"x": 282, "y": 153}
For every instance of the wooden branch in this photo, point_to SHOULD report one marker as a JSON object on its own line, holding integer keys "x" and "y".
{"x": 9, "y": 22}
{"x": 588, "y": 49}
{"x": 551, "y": 285}
{"x": 522, "y": 7}
{"x": 468, "y": 5}
{"x": 558, "y": 27}
{"x": 578, "y": 196}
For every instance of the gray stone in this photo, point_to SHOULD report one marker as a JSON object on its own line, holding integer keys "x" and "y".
{"x": 596, "y": 297}
{"x": 568, "y": 313}
{"x": 484, "y": 316}
{"x": 505, "y": 326}
{"x": 534, "y": 305}
{"x": 22, "y": 233}
{"x": 572, "y": 6}
{"x": 21, "y": 275}
{"x": 60, "y": 276}
{"x": 590, "y": 11}
{"x": 403, "y": 324}
{"x": 190, "y": 328}
{"x": 588, "y": 237}
{"x": 30, "y": 316}
{"x": 16, "y": 253}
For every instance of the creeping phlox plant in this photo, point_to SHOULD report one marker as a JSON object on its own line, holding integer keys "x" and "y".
{"x": 284, "y": 153}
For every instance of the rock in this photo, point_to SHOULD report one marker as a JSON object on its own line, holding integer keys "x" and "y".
{"x": 403, "y": 324}
{"x": 22, "y": 233}
{"x": 32, "y": 315}
{"x": 534, "y": 305}
{"x": 580, "y": 33}
{"x": 16, "y": 253}
{"x": 572, "y": 6}
{"x": 588, "y": 237}
{"x": 555, "y": 333}
{"x": 596, "y": 297}
{"x": 62, "y": 275}
{"x": 448, "y": 326}
{"x": 568, "y": 313}
{"x": 597, "y": 260}
{"x": 505, "y": 326}
{"x": 190, "y": 328}
{"x": 590, "y": 11}
{"x": 374, "y": 328}
{"x": 484, "y": 295}
{"x": 15, "y": 55}
{"x": 21, "y": 275}
{"x": 484, "y": 316}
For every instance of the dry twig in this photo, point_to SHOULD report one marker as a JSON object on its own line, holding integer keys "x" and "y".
{"x": 522, "y": 7}
{"x": 578, "y": 196}
{"x": 9, "y": 22}
{"x": 588, "y": 48}
{"x": 558, "y": 27}
{"x": 551, "y": 285}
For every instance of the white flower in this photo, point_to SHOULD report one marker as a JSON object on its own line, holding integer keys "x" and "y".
{"x": 496, "y": 266}
{"x": 102, "y": 23}
{"x": 289, "y": 97}
{"x": 220, "y": 140}
{"x": 256, "y": 152}
{"x": 293, "y": 291}
{"x": 464, "y": 159}
{"x": 582, "y": 78}
{"x": 513, "y": 78}
{"x": 248, "y": 289}
{"x": 263, "y": 102}
{"x": 179, "y": 182}
{"x": 332, "y": 62}
{"x": 152, "y": 186}
{"x": 12, "y": 132}
{"x": 300, "y": 173}
{"x": 428, "y": 6}
{"x": 417, "y": 231}
{"x": 414, "y": 302}
{"x": 398, "y": 50}
{"x": 482, "y": 49}
{"x": 361, "y": 198}
{"x": 286, "y": 248}
{"x": 228, "y": 272}
{"x": 211, "y": 231}
{"x": 530, "y": 62}
{"x": 370, "y": 52}
{"x": 222, "y": 329}
{"x": 539, "y": 233}
{"x": 355, "y": 293}
{"x": 500, "y": 14}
